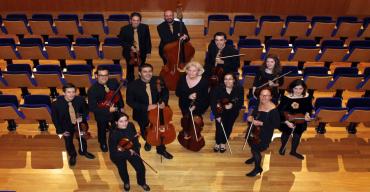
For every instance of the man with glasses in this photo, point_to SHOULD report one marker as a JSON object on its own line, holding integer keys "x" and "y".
{"x": 96, "y": 94}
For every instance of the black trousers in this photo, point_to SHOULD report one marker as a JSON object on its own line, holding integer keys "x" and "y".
{"x": 70, "y": 147}
{"x": 103, "y": 126}
{"x": 143, "y": 125}
{"x": 256, "y": 154}
{"x": 138, "y": 165}
{"x": 228, "y": 120}
{"x": 295, "y": 140}
{"x": 130, "y": 72}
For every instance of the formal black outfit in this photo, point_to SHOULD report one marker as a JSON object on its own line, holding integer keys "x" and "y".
{"x": 228, "y": 116}
{"x": 293, "y": 106}
{"x": 262, "y": 77}
{"x": 168, "y": 36}
{"x": 126, "y": 37}
{"x": 103, "y": 117}
{"x": 231, "y": 64}
{"x": 120, "y": 158}
{"x": 62, "y": 121}
{"x": 137, "y": 98}
{"x": 271, "y": 120}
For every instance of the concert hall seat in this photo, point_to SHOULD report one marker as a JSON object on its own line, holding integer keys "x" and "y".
{"x": 344, "y": 78}
{"x": 59, "y": 48}
{"x": 49, "y": 76}
{"x": 42, "y": 24}
{"x": 115, "y": 71}
{"x": 358, "y": 112}
{"x": 8, "y": 50}
{"x": 80, "y": 76}
{"x": 37, "y": 108}
{"x": 31, "y": 48}
{"x": 87, "y": 48}
{"x": 365, "y": 32}
{"x": 365, "y": 84}
{"x": 19, "y": 76}
{"x": 321, "y": 26}
{"x": 270, "y": 25}
{"x": 67, "y": 24}
{"x": 249, "y": 73}
{"x": 116, "y": 22}
{"x": 16, "y": 24}
{"x": 217, "y": 23}
{"x": 359, "y": 51}
{"x": 279, "y": 47}
{"x": 305, "y": 50}
{"x": 112, "y": 49}
{"x": 316, "y": 78}
{"x": 332, "y": 50}
{"x": 295, "y": 26}
{"x": 93, "y": 24}
{"x": 251, "y": 48}
{"x": 244, "y": 26}
{"x": 9, "y": 111}
{"x": 328, "y": 110}
{"x": 293, "y": 75}
{"x": 347, "y": 27}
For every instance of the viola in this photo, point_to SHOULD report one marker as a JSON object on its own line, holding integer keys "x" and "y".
{"x": 160, "y": 130}
{"x": 135, "y": 58}
{"x": 111, "y": 98}
{"x": 298, "y": 118}
{"x": 216, "y": 76}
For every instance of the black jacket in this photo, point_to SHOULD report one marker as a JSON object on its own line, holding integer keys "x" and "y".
{"x": 165, "y": 33}
{"x": 60, "y": 113}
{"x": 236, "y": 97}
{"x": 114, "y": 138}
{"x": 126, "y": 37}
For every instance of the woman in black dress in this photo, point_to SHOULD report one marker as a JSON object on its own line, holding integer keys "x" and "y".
{"x": 297, "y": 101}
{"x": 126, "y": 130}
{"x": 226, "y": 101}
{"x": 265, "y": 119}
{"x": 270, "y": 69}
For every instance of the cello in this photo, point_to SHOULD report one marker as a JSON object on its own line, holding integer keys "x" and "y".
{"x": 160, "y": 130}
{"x": 177, "y": 53}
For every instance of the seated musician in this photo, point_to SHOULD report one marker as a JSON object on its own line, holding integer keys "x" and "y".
{"x": 297, "y": 101}
{"x": 120, "y": 155}
{"x": 65, "y": 116}
{"x": 265, "y": 119}
{"x": 97, "y": 94}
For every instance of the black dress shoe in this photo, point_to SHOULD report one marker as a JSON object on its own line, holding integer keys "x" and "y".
{"x": 104, "y": 147}
{"x": 254, "y": 172}
{"x": 165, "y": 154}
{"x": 249, "y": 161}
{"x": 126, "y": 187}
{"x": 147, "y": 146}
{"x": 222, "y": 149}
{"x": 295, "y": 154}
{"x": 88, "y": 155}
{"x": 72, "y": 161}
{"x": 145, "y": 187}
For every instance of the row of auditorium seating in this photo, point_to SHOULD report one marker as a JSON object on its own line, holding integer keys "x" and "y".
{"x": 292, "y": 26}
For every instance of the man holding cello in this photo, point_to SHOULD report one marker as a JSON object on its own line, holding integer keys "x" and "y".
{"x": 104, "y": 91}
{"x": 142, "y": 96}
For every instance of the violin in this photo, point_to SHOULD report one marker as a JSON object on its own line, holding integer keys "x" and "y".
{"x": 83, "y": 129}
{"x": 111, "y": 98}
{"x": 217, "y": 73}
{"x": 160, "y": 130}
{"x": 135, "y": 58}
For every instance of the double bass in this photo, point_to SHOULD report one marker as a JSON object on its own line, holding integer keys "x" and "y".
{"x": 177, "y": 53}
{"x": 160, "y": 130}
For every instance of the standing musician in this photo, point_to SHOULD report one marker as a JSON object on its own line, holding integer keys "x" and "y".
{"x": 119, "y": 156}
{"x": 135, "y": 39}
{"x": 96, "y": 94}
{"x": 169, "y": 31}
{"x": 226, "y": 101}
{"x": 65, "y": 116}
{"x": 264, "y": 119}
{"x": 142, "y": 96}
{"x": 269, "y": 70}
{"x": 296, "y": 103}
{"x": 218, "y": 48}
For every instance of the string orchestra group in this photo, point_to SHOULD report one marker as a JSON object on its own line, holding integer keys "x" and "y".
{"x": 214, "y": 84}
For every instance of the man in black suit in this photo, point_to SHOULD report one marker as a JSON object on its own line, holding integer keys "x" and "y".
{"x": 170, "y": 30}
{"x": 65, "y": 116}
{"x": 142, "y": 96}
{"x": 135, "y": 37}
{"x": 96, "y": 94}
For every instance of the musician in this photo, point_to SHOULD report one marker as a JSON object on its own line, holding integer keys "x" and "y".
{"x": 135, "y": 37}
{"x": 297, "y": 101}
{"x": 264, "y": 119}
{"x": 142, "y": 96}
{"x": 65, "y": 116}
{"x": 234, "y": 95}
{"x": 219, "y": 48}
{"x": 269, "y": 70}
{"x": 126, "y": 130}
{"x": 96, "y": 94}
{"x": 170, "y": 30}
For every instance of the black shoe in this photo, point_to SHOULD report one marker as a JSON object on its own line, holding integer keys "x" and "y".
{"x": 126, "y": 187}
{"x": 104, "y": 147}
{"x": 282, "y": 151}
{"x": 222, "y": 149}
{"x": 249, "y": 161}
{"x": 216, "y": 148}
{"x": 87, "y": 155}
{"x": 165, "y": 154}
{"x": 72, "y": 161}
{"x": 254, "y": 172}
{"x": 145, "y": 187}
{"x": 147, "y": 146}
{"x": 295, "y": 154}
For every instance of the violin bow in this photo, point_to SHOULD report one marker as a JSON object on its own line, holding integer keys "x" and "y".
{"x": 274, "y": 79}
{"x": 246, "y": 138}
{"x": 227, "y": 140}
{"x": 79, "y": 132}
{"x": 152, "y": 168}
{"x": 291, "y": 134}
{"x": 224, "y": 57}
{"x": 192, "y": 119}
